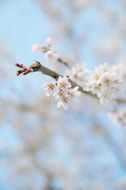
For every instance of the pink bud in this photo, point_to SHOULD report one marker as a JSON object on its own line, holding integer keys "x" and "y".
{"x": 19, "y": 65}
{"x": 26, "y": 72}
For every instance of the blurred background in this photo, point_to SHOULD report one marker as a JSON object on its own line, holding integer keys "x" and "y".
{"x": 41, "y": 147}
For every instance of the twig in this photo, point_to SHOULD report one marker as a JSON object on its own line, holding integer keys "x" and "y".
{"x": 63, "y": 62}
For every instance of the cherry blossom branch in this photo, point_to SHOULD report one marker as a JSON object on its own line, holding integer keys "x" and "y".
{"x": 104, "y": 83}
{"x": 37, "y": 66}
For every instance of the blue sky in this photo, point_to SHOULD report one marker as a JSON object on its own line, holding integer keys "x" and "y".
{"x": 22, "y": 25}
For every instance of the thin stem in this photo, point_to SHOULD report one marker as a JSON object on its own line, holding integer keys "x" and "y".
{"x": 63, "y": 62}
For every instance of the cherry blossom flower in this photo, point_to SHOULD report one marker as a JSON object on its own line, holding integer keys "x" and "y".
{"x": 63, "y": 101}
{"x": 63, "y": 83}
{"x": 49, "y": 89}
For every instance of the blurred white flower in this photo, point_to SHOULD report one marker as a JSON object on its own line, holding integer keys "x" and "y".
{"x": 63, "y": 101}
{"x": 50, "y": 41}
{"x": 36, "y": 48}
{"x": 74, "y": 91}
{"x": 77, "y": 72}
{"x": 50, "y": 55}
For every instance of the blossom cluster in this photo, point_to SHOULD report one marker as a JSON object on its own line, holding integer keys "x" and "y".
{"x": 63, "y": 91}
{"x": 105, "y": 83}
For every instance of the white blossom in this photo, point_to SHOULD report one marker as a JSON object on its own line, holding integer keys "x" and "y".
{"x": 63, "y": 91}
{"x": 63, "y": 101}
{"x": 63, "y": 83}
{"x": 50, "y": 89}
